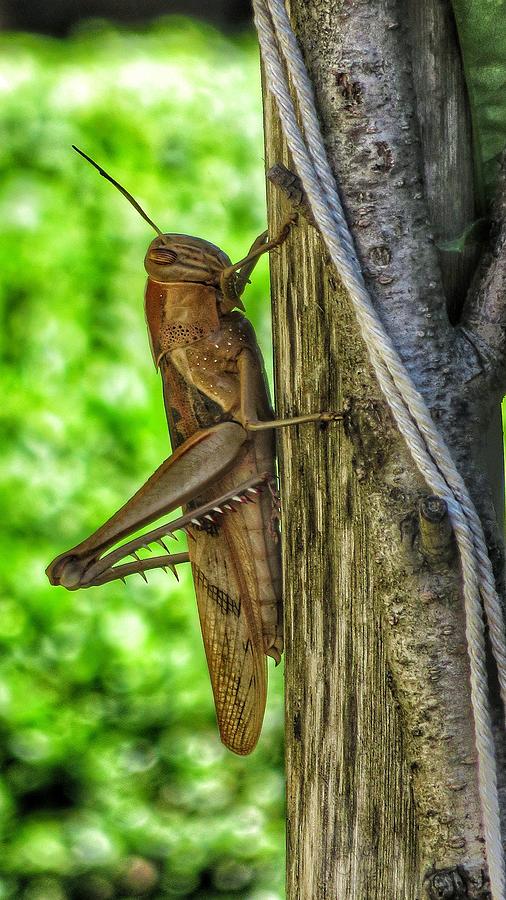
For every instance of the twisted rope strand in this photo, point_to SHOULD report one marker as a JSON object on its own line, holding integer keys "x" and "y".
{"x": 413, "y": 418}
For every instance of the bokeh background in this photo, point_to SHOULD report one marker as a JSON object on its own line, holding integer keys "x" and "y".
{"x": 114, "y": 782}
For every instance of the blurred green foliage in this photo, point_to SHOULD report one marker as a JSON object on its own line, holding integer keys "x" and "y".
{"x": 114, "y": 782}
{"x": 482, "y": 39}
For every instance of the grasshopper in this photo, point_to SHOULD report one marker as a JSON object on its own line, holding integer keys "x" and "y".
{"x": 222, "y": 471}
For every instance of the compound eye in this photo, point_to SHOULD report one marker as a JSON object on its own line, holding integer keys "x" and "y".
{"x": 162, "y": 255}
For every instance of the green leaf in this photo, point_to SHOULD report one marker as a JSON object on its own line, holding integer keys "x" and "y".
{"x": 474, "y": 233}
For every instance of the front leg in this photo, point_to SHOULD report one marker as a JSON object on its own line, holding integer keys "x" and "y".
{"x": 235, "y": 278}
{"x": 264, "y": 425}
{"x": 251, "y": 401}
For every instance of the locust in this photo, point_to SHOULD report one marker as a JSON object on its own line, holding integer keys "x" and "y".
{"x": 222, "y": 471}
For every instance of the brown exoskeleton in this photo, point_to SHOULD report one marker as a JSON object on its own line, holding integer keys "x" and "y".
{"x": 221, "y": 428}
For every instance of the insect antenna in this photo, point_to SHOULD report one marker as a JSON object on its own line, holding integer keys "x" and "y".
{"x": 120, "y": 188}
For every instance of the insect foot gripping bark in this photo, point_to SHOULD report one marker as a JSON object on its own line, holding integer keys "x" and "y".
{"x": 221, "y": 471}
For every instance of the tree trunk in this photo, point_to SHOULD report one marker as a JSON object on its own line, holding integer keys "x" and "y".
{"x": 381, "y": 763}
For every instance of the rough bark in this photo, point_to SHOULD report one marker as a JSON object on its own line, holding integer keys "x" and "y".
{"x": 381, "y": 765}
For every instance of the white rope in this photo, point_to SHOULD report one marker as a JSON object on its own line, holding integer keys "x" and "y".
{"x": 279, "y": 48}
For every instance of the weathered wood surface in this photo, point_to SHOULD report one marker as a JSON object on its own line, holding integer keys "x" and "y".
{"x": 381, "y": 767}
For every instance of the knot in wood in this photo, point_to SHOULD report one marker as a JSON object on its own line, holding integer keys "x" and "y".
{"x": 446, "y": 884}
{"x": 433, "y": 508}
{"x": 437, "y": 541}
